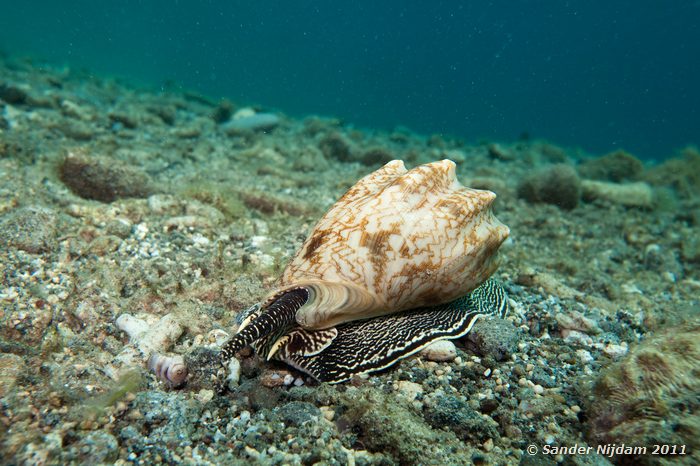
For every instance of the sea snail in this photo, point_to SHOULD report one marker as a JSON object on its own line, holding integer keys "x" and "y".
{"x": 401, "y": 260}
{"x": 170, "y": 369}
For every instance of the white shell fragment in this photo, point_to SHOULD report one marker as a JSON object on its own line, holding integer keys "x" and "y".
{"x": 146, "y": 339}
{"x": 440, "y": 351}
{"x": 234, "y": 373}
{"x": 132, "y": 326}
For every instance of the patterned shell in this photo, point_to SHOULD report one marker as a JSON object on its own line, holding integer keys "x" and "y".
{"x": 396, "y": 240}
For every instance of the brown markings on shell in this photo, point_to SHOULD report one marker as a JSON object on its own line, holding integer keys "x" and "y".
{"x": 377, "y": 244}
{"x": 314, "y": 242}
{"x": 445, "y": 241}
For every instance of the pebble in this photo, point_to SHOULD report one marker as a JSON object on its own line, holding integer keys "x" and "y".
{"x": 440, "y": 351}
{"x": 497, "y": 338}
{"x": 31, "y": 229}
{"x": 574, "y": 320}
{"x": 132, "y": 326}
{"x": 327, "y": 412}
{"x": 204, "y": 396}
{"x": 234, "y": 373}
{"x": 576, "y": 337}
{"x": 297, "y": 413}
{"x": 273, "y": 378}
{"x": 616, "y": 351}
{"x": 103, "y": 179}
{"x": 409, "y": 390}
{"x": 255, "y": 122}
{"x": 217, "y": 337}
{"x": 584, "y": 356}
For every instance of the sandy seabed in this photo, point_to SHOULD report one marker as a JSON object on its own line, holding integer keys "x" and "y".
{"x": 134, "y": 221}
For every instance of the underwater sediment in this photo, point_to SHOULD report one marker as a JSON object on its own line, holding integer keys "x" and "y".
{"x": 136, "y": 223}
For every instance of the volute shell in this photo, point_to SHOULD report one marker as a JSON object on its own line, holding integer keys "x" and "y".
{"x": 396, "y": 240}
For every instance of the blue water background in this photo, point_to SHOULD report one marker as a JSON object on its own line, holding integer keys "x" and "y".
{"x": 600, "y": 75}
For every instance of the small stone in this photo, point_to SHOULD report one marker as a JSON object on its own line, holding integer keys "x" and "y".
{"x": 120, "y": 227}
{"x": 488, "y": 405}
{"x": 377, "y": 156}
{"x": 102, "y": 179}
{"x": 440, "y": 351}
{"x": 234, "y": 373}
{"x": 103, "y": 245}
{"x": 274, "y": 378}
{"x": 497, "y": 338}
{"x": 538, "y": 389}
{"x": 297, "y": 413}
{"x": 204, "y": 395}
{"x": 334, "y": 146}
{"x": 574, "y": 320}
{"x": 217, "y": 337}
{"x": 499, "y": 152}
{"x": 690, "y": 247}
{"x": 73, "y": 110}
{"x": 410, "y": 390}
{"x": 449, "y": 411}
{"x": 222, "y": 113}
{"x": 263, "y": 122}
{"x": 98, "y": 448}
{"x": 328, "y": 413}
{"x": 574, "y": 336}
{"x": 132, "y": 326}
{"x": 615, "y": 351}
{"x": 31, "y": 229}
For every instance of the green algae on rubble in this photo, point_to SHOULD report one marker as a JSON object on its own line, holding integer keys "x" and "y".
{"x": 129, "y": 382}
{"x": 31, "y": 229}
{"x": 651, "y": 396}
{"x": 387, "y": 424}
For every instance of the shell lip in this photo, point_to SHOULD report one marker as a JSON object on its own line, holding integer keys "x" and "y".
{"x": 331, "y": 302}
